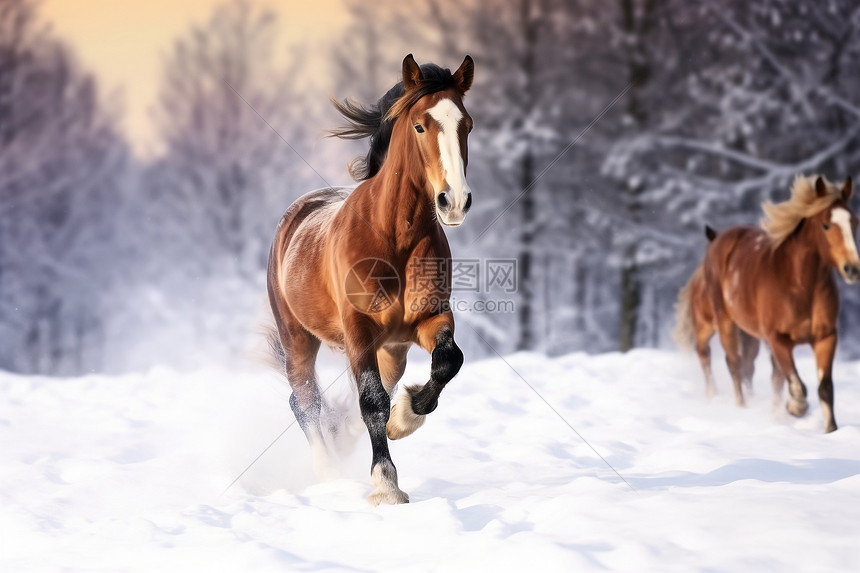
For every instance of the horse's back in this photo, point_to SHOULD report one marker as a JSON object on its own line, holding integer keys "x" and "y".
{"x": 739, "y": 270}
{"x": 308, "y": 205}
{"x": 737, "y": 250}
{"x": 297, "y": 257}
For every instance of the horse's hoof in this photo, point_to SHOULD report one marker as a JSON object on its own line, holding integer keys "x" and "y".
{"x": 831, "y": 428}
{"x": 403, "y": 420}
{"x": 797, "y": 408}
{"x": 384, "y": 478}
{"x": 390, "y": 497}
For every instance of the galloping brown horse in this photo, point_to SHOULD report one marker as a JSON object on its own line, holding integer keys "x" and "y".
{"x": 776, "y": 284}
{"x": 342, "y": 269}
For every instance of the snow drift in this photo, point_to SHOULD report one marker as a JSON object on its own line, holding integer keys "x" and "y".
{"x": 128, "y": 474}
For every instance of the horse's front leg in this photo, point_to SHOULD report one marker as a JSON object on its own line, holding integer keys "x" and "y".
{"x": 730, "y": 339}
{"x": 777, "y": 380}
{"x": 825, "y": 349}
{"x": 436, "y": 336}
{"x": 374, "y": 402}
{"x": 781, "y": 347}
{"x": 749, "y": 351}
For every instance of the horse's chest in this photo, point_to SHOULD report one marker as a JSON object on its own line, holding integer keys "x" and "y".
{"x": 427, "y": 288}
{"x": 806, "y": 316}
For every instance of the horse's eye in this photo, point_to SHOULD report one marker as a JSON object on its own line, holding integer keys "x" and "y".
{"x": 418, "y": 128}
{"x": 826, "y": 227}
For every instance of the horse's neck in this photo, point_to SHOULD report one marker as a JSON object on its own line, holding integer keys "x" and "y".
{"x": 401, "y": 203}
{"x": 801, "y": 253}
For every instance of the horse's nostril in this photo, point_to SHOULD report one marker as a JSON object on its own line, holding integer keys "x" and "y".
{"x": 468, "y": 204}
{"x": 442, "y": 199}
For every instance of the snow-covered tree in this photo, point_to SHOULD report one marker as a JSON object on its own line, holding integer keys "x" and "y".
{"x": 60, "y": 164}
{"x": 231, "y": 119}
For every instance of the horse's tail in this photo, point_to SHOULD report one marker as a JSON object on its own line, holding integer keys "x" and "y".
{"x": 685, "y": 331}
{"x": 277, "y": 354}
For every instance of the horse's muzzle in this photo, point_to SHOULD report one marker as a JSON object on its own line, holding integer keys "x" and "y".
{"x": 851, "y": 273}
{"x": 447, "y": 213}
{"x": 450, "y": 220}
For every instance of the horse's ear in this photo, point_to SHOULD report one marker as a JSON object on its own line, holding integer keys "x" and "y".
{"x": 710, "y": 233}
{"x": 847, "y": 188}
{"x": 820, "y": 187}
{"x": 412, "y": 75}
{"x": 465, "y": 74}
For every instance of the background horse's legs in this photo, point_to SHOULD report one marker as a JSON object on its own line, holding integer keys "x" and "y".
{"x": 704, "y": 332}
{"x": 436, "y": 336}
{"x": 781, "y": 347}
{"x": 730, "y": 339}
{"x": 375, "y": 405}
{"x": 824, "y": 351}
{"x": 749, "y": 351}
{"x": 777, "y": 380}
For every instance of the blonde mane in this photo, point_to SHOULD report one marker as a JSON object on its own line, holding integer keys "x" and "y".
{"x": 781, "y": 219}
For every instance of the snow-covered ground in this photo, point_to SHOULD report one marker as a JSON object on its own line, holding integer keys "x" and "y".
{"x": 128, "y": 474}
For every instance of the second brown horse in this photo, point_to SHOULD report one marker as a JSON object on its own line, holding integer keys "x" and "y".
{"x": 776, "y": 284}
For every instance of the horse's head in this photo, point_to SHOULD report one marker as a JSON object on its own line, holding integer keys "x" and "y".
{"x": 837, "y": 227}
{"x": 441, "y": 125}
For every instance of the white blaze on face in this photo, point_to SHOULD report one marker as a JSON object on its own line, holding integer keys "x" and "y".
{"x": 449, "y": 115}
{"x": 842, "y": 219}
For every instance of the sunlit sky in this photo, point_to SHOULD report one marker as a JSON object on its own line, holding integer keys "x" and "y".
{"x": 125, "y": 42}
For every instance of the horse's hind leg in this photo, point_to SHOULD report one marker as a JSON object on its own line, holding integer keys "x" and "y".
{"x": 730, "y": 339}
{"x": 749, "y": 351}
{"x": 306, "y": 400}
{"x": 703, "y": 320}
{"x": 300, "y": 353}
{"x": 436, "y": 336}
{"x": 824, "y": 352}
{"x": 704, "y": 332}
{"x": 781, "y": 348}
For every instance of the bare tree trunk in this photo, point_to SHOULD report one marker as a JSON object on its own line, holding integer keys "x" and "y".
{"x": 526, "y": 299}
{"x": 635, "y": 25}
{"x": 630, "y": 299}
{"x": 580, "y": 280}
{"x": 526, "y": 341}
{"x": 547, "y": 302}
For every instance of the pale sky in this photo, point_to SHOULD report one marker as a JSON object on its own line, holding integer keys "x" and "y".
{"x": 124, "y": 42}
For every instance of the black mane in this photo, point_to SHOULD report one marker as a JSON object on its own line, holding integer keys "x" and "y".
{"x": 377, "y": 123}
